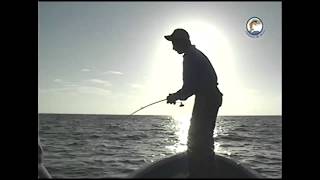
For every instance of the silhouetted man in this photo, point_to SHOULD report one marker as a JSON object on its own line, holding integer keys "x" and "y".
{"x": 199, "y": 79}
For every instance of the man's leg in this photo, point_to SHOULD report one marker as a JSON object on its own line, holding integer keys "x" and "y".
{"x": 200, "y": 159}
{"x": 201, "y": 145}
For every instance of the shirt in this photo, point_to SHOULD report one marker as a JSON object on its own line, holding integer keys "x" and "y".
{"x": 199, "y": 76}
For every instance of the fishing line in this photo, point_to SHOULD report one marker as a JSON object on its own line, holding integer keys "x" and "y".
{"x": 181, "y": 105}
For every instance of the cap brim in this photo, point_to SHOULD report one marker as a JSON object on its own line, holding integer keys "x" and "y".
{"x": 169, "y": 38}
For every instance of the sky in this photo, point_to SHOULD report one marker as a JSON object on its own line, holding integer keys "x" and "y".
{"x": 112, "y": 57}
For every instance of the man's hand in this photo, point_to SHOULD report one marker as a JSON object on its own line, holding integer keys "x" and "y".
{"x": 171, "y": 99}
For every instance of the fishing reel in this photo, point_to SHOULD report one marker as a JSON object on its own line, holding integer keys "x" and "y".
{"x": 181, "y": 105}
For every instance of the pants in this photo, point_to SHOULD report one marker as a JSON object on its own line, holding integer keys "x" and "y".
{"x": 200, "y": 136}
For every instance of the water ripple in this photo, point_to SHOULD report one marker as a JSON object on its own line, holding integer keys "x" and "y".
{"x": 97, "y": 146}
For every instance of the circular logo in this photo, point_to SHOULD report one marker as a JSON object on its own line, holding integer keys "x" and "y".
{"x": 254, "y": 27}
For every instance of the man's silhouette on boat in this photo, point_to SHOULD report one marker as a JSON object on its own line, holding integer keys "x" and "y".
{"x": 199, "y": 79}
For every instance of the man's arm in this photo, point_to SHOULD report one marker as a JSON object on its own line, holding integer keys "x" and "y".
{"x": 190, "y": 75}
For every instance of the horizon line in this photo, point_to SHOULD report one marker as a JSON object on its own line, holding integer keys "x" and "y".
{"x": 153, "y": 114}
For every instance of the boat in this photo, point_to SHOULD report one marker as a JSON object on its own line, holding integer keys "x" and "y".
{"x": 176, "y": 166}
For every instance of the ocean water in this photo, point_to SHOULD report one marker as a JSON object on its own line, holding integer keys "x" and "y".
{"x": 97, "y": 146}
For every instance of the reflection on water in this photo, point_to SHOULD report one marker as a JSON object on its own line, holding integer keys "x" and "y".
{"x": 217, "y": 145}
{"x": 221, "y": 150}
{"x": 97, "y": 146}
{"x": 181, "y": 126}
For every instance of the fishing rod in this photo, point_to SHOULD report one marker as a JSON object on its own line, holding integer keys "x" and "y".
{"x": 181, "y": 105}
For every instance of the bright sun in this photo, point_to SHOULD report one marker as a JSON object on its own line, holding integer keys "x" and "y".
{"x": 167, "y": 72}
{"x": 167, "y": 64}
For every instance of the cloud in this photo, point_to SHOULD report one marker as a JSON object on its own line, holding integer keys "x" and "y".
{"x": 57, "y": 80}
{"x": 49, "y": 90}
{"x": 93, "y": 90}
{"x": 85, "y": 70}
{"x": 78, "y": 90}
{"x": 113, "y": 72}
{"x": 99, "y": 81}
{"x": 71, "y": 85}
{"x": 66, "y": 83}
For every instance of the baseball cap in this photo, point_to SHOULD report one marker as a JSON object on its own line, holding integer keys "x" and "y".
{"x": 178, "y": 34}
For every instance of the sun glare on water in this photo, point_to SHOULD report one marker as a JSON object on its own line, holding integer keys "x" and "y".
{"x": 182, "y": 124}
